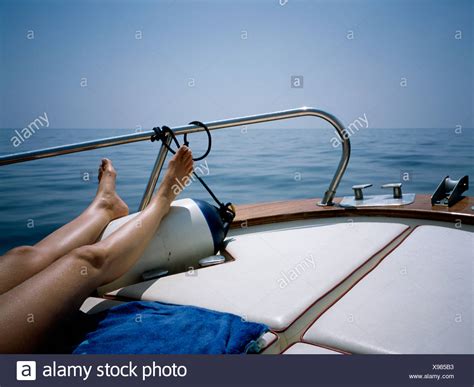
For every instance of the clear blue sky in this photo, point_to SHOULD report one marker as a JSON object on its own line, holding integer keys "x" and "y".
{"x": 145, "y": 81}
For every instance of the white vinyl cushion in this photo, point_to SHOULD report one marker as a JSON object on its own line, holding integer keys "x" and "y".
{"x": 308, "y": 349}
{"x": 417, "y": 301}
{"x": 276, "y": 275}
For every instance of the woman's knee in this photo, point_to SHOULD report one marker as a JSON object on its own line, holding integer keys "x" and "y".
{"x": 93, "y": 255}
{"x": 29, "y": 258}
{"x": 23, "y": 251}
{"x": 25, "y": 255}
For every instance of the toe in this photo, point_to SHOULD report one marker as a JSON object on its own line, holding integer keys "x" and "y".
{"x": 107, "y": 164}
{"x": 188, "y": 154}
{"x": 101, "y": 168}
{"x": 109, "y": 167}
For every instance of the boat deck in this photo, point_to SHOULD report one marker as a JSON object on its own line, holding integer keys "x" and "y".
{"x": 336, "y": 280}
{"x": 263, "y": 213}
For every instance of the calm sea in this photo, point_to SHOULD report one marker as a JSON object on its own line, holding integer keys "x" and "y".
{"x": 246, "y": 166}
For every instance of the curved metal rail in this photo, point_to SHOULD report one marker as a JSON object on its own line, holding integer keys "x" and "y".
{"x": 213, "y": 125}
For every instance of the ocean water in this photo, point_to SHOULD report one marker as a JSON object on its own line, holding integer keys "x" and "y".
{"x": 246, "y": 165}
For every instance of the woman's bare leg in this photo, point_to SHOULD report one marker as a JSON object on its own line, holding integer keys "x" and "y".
{"x": 21, "y": 263}
{"x": 31, "y": 310}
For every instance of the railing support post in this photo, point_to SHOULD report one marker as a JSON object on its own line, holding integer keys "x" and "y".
{"x": 154, "y": 175}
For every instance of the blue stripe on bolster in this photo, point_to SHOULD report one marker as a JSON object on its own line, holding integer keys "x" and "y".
{"x": 214, "y": 222}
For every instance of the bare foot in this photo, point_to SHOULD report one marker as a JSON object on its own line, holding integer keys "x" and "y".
{"x": 177, "y": 175}
{"x": 126, "y": 244}
{"x": 106, "y": 197}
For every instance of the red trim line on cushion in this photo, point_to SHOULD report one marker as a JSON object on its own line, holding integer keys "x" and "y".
{"x": 339, "y": 283}
{"x": 411, "y": 230}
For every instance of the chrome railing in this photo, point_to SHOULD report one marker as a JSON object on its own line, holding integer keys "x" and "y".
{"x": 155, "y": 174}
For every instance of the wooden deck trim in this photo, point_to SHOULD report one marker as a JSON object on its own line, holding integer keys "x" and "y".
{"x": 274, "y": 212}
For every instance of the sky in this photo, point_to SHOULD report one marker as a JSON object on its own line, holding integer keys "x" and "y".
{"x": 128, "y": 64}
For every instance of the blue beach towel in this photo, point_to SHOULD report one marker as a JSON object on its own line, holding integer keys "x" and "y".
{"x": 159, "y": 328}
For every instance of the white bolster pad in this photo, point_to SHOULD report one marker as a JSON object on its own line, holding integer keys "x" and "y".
{"x": 276, "y": 275}
{"x": 417, "y": 301}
